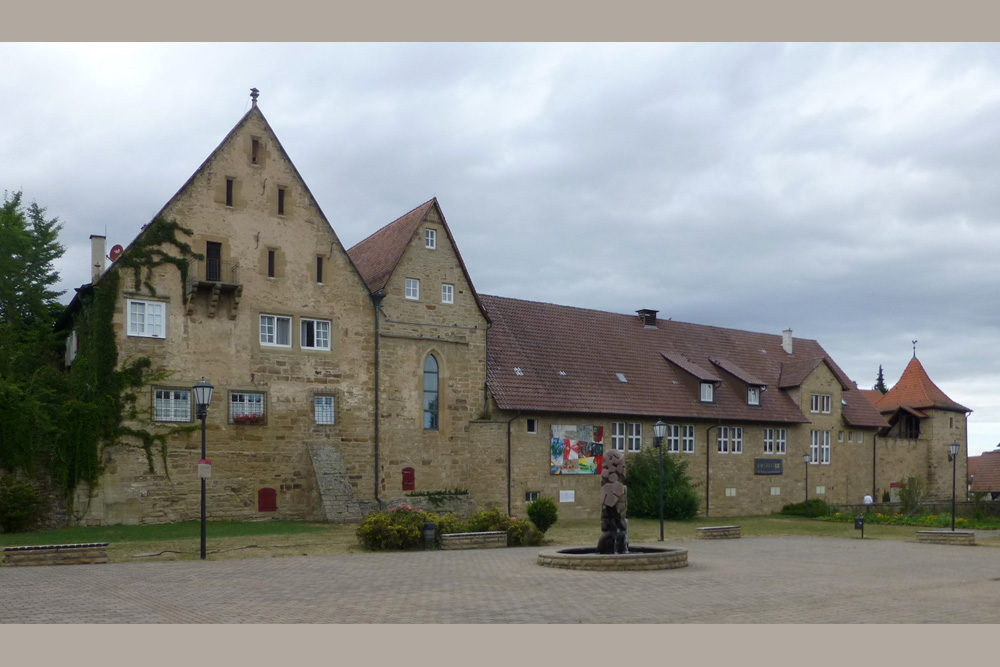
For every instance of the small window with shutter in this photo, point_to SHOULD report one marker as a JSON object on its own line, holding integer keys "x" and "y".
{"x": 409, "y": 482}
{"x": 267, "y": 500}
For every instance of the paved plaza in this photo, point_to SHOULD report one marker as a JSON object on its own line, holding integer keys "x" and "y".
{"x": 749, "y": 580}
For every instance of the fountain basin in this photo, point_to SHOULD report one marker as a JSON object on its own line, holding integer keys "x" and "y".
{"x": 639, "y": 557}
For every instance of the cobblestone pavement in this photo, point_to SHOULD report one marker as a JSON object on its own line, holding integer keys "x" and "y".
{"x": 749, "y": 580}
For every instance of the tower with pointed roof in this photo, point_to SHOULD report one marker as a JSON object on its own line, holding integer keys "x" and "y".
{"x": 923, "y": 422}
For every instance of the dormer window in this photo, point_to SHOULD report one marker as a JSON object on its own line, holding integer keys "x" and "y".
{"x": 753, "y": 395}
{"x": 707, "y": 392}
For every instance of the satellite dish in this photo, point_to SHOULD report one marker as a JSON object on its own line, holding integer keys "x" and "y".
{"x": 116, "y": 252}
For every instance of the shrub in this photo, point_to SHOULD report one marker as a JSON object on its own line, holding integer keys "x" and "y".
{"x": 447, "y": 523}
{"x": 489, "y": 520}
{"x": 817, "y": 508}
{"x": 642, "y": 475}
{"x": 399, "y": 528}
{"x": 912, "y": 493}
{"x": 534, "y": 537}
{"x": 544, "y": 513}
{"x": 518, "y": 532}
{"x": 20, "y": 504}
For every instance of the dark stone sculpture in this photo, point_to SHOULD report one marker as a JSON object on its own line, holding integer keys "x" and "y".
{"x": 614, "y": 499}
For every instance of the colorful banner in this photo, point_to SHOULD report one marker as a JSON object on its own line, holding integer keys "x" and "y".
{"x": 577, "y": 450}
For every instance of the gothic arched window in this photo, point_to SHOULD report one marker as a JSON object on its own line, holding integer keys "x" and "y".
{"x": 431, "y": 393}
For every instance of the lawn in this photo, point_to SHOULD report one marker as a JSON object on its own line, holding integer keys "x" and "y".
{"x": 268, "y": 539}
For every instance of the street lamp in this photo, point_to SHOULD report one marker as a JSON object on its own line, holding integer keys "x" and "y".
{"x": 806, "y": 459}
{"x": 202, "y": 397}
{"x": 659, "y": 430}
{"x": 953, "y": 457}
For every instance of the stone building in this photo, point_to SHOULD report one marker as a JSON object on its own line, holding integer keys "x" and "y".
{"x": 347, "y": 380}
{"x": 922, "y": 423}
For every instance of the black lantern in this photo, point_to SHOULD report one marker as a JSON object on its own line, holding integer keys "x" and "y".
{"x": 659, "y": 430}
{"x": 202, "y": 397}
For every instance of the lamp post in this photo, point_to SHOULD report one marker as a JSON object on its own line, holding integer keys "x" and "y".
{"x": 806, "y": 459}
{"x": 659, "y": 430}
{"x": 202, "y": 397}
{"x": 953, "y": 457}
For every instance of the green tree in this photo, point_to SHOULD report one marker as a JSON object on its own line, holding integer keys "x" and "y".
{"x": 30, "y": 381}
{"x": 642, "y": 475}
{"x": 880, "y": 382}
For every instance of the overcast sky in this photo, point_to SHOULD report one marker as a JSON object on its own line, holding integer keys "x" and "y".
{"x": 849, "y": 192}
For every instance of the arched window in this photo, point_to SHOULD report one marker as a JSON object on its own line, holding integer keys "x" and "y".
{"x": 431, "y": 393}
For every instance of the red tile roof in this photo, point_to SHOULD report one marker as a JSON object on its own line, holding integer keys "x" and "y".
{"x": 915, "y": 390}
{"x": 987, "y": 475}
{"x": 873, "y": 395}
{"x": 545, "y": 357}
{"x": 378, "y": 255}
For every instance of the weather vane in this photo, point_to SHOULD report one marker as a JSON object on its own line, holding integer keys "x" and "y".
{"x": 253, "y": 95}
{"x": 914, "y": 349}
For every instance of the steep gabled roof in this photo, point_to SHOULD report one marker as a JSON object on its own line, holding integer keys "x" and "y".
{"x": 545, "y": 357}
{"x": 377, "y": 256}
{"x": 915, "y": 390}
{"x": 986, "y": 478}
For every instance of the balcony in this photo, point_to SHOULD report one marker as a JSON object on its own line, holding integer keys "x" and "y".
{"x": 215, "y": 278}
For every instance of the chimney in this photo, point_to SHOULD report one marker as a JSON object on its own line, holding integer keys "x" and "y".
{"x": 648, "y": 317}
{"x": 786, "y": 341}
{"x": 96, "y": 257}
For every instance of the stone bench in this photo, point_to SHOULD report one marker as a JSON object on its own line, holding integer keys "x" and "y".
{"x": 963, "y": 537}
{"x": 57, "y": 554}
{"x": 718, "y": 532}
{"x": 489, "y": 540}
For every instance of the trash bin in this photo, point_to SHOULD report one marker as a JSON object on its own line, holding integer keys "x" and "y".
{"x": 859, "y": 522}
{"x": 429, "y": 530}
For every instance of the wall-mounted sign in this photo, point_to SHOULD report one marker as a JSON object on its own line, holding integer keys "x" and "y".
{"x": 204, "y": 468}
{"x": 767, "y": 466}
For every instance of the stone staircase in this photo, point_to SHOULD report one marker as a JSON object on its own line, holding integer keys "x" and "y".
{"x": 339, "y": 503}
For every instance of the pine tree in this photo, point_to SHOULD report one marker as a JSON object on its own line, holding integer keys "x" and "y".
{"x": 880, "y": 382}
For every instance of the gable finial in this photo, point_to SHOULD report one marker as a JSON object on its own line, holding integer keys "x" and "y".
{"x": 253, "y": 95}
{"x": 914, "y": 349}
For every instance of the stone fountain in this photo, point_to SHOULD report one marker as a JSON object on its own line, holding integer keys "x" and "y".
{"x": 613, "y": 551}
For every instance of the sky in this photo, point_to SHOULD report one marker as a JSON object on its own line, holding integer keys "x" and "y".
{"x": 845, "y": 191}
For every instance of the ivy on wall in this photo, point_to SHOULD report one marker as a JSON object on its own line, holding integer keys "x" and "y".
{"x": 102, "y": 396}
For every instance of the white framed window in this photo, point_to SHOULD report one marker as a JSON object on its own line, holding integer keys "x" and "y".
{"x": 412, "y": 289}
{"x": 323, "y": 409}
{"x": 687, "y": 438}
{"x": 769, "y": 441}
{"x": 775, "y": 490}
{"x": 737, "y": 439}
{"x": 447, "y": 293}
{"x": 531, "y": 496}
{"x": 730, "y": 491}
{"x": 618, "y": 436}
{"x": 247, "y": 407}
{"x": 820, "y": 403}
{"x": 673, "y": 438}
{"x": 753, "y": 395}
{"x": 840, "y": 436}
{"x": 634, "y": 437}
{"x": 820, "y": 490}
{"x": 819, "y": 447}
{"x": 780, "y": 438}
{"x": 171, "y": 405}
{"x": 275, "y": 330}
{"x": 314, "y": 334}
{"x": 707, "y": 392}
{"x": 532, "y": 426}
{"x": 850, "y": 436}
{"x": 723, "y": 440}
{"x": 430, "y": 239}
{"x": 147, "y": 319}
{"x": 72, "y": 346}
{"x": 861, "y": 437}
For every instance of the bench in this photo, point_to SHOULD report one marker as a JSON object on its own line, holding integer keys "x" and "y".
{"x": 718, "y": 533}
{"x": 962, "y": 537}
{"x": 57, "y": 554}
{"x": 494, "y": 539}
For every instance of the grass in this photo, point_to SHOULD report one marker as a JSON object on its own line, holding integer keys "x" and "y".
{"x": 269, "y": 539}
